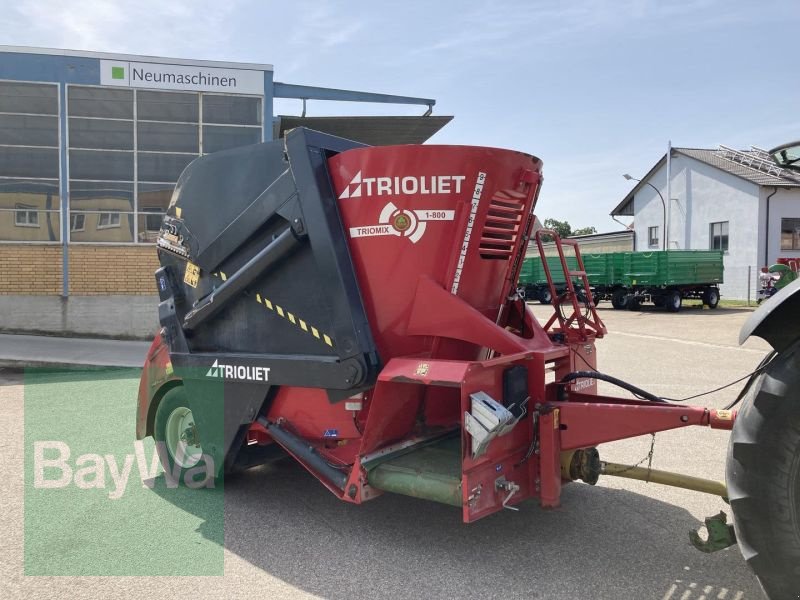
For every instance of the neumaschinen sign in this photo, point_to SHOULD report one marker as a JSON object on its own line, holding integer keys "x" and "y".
{"x": 180, "y": 77}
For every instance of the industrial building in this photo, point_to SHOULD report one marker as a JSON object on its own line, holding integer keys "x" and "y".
{"x": 91, "y": 145}
{"x": 737, "y": 201}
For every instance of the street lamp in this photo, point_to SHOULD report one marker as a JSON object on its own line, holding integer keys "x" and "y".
{"x": 663, "y": 204}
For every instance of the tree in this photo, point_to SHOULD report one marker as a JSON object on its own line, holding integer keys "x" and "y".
{"x": 584, "y": 231}
{"x": 564, "y": 229}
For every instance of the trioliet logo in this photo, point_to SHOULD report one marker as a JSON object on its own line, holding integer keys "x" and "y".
{"x": 238, "y": 372}
{"x": 423, "y": 185}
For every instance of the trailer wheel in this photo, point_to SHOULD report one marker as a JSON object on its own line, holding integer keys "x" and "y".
{"x": 673, "y": 301}
{"x": 711, "y": 297}
{"x": 177, "y": 439}
{"x": 619, "y": 299}
{"x": 545, "y": 297}
{"x": 763, "y": 476}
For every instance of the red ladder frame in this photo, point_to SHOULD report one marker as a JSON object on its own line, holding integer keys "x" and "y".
{"x": 582, "y": 322}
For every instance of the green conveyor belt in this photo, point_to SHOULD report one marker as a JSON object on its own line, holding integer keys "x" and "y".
{"x": 432, "y": 472}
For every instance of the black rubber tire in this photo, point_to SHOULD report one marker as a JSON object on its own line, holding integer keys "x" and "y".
{"x": 673, "y": 301}
{"x": 619, "y": 299}
{"x": 711, "y": 297}
{"x": 545, "y": 297}
{"x": 763, "y": 476}
{"x": 173, "y": 399}
{"x": 633, "y": 303}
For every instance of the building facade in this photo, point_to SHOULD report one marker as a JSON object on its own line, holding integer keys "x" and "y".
{"x": 721, "y": 199}
{"x": 91, "y": 146}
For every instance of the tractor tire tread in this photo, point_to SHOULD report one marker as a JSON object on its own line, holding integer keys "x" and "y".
{"x": 763, "y": 476}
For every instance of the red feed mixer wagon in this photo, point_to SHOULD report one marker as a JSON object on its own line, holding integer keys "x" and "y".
{"x": 357, "y": 308}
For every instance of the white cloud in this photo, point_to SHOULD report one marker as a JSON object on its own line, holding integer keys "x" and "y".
{"x": 177, "y": 27}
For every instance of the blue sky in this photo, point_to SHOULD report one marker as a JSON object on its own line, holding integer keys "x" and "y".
{"x": 593, "y": 88}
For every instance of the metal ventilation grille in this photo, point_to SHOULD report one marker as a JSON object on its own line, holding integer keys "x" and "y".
{"x": 503, "y": 221}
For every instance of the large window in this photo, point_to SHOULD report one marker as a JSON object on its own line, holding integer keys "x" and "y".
{"x": 29, "y": 164}
{"x": 718, "y": 236}
{"x": 652, "y": 237}
{"x": 790, "y": 234}
{"x": 128, "y": 147}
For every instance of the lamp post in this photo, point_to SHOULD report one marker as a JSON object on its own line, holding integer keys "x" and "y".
{"x": 663, "y": 204}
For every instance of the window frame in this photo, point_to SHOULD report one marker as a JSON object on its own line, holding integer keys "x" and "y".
{"x": 724, "y": 236}
{"x": 110, "y": 214}
{"x": 73, "y": 217}
{"x": 653, "y": 242}
{"x": 57, "y": 179}
{"x": 136, "y": 181}
{"x": 795, "y": 234}
{"x": 27, "y": 210}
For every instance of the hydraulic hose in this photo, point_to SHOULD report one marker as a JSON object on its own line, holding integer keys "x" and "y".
{"x": 613, "y": 380}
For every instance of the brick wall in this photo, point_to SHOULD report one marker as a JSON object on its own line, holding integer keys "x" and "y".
{"x": 31, "y": 269}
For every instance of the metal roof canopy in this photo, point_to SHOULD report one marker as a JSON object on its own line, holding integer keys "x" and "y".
{"x": 375, "y": 131}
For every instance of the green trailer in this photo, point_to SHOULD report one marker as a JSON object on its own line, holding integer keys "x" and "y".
{"x": 666, "y": 278}
{"x": 629, "y": 279}
{"x": 533, "y": 280}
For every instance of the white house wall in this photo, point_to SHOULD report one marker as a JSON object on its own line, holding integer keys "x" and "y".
{"x": 701, "y": 195}
{"x": 784, "y": 204}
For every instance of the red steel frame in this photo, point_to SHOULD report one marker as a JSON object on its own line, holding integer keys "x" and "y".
{"x": 442, "y": 343}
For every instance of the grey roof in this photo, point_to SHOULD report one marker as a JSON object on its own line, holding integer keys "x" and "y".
{"x": 375, "y": 131}
{"x": 715, "y": 158}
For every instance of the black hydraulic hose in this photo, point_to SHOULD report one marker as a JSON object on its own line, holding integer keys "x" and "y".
{"x": 761, "y": 367}
{"x": 613, "y": 380}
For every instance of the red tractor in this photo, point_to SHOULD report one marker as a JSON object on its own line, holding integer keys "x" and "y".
{"x": 357, "y": 308}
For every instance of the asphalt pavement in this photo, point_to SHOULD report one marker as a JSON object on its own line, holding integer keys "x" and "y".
{"x": 39, "y": 350}
{"x": 286, "y": 536}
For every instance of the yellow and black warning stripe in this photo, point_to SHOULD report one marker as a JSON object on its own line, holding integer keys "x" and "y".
{"x": 294, "y": 320}
{"x": 288, "y": 316}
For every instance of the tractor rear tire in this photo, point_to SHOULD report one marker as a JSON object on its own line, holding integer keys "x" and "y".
{"x": 545, "y": 297}
{"x": 619, "y": 299}
{"x": 763, "y": 476}
{"x": 711, "y": 297}
{"x": 673, "y": 301}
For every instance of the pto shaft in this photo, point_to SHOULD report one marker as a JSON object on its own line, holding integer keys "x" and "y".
{"x": 698, "y": 484}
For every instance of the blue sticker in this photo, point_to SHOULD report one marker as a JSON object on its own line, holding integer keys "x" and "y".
{"x": 498, "y": 468}
{"x": 331, "y": 433}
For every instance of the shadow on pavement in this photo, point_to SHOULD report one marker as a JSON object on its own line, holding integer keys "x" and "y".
{"x": 603, "y": 543}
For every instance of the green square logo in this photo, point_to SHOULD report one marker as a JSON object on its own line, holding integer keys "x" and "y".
{"x": 117, "y": 72}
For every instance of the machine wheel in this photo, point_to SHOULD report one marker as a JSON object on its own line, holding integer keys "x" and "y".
{"x": 545, "y": 297}
{"x": 673, "y": 301}
{"x": 633, "y": 303}
{"x": 619, "y": 299}
{"x": 763, "y": 476}
{"x": 711, "y": 297}
{"x": 177, "y": 439}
